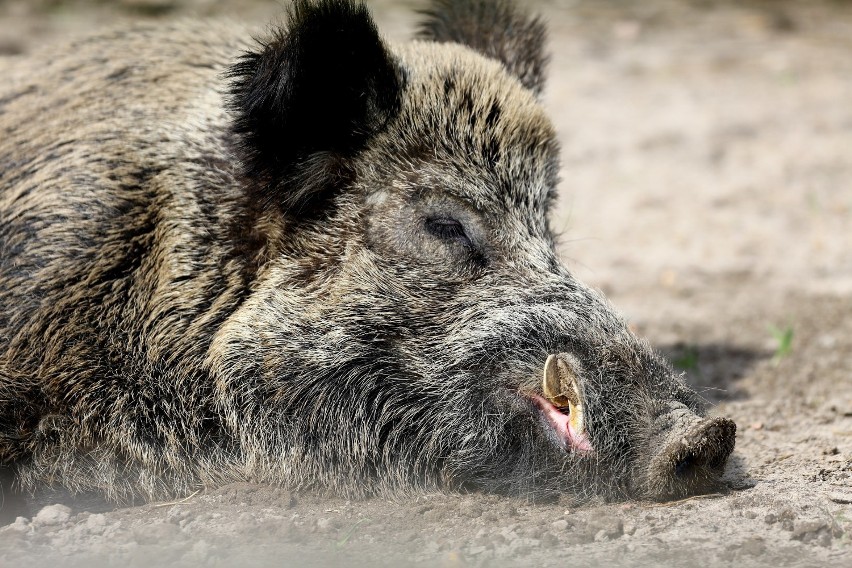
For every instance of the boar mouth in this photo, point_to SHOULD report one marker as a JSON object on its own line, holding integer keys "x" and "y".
{"x": 562, "y": 403}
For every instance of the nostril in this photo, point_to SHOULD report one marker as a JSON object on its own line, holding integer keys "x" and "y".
{"x": 709, "y": 450}
{"x": 684, "y": 466}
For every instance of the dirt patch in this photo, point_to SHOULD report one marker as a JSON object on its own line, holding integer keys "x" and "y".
{"x": 706, "y": 189}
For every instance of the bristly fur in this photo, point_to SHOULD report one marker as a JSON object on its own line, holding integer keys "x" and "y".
{"x": 496, "y": 28}
{"x": 309, "y": 99}
{"x": 230, "y": 272}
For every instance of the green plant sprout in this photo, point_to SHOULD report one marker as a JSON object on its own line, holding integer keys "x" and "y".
{"x": 688, "y": 359}
{"x": 784, "y": 341}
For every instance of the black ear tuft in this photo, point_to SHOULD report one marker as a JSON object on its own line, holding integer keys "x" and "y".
{"x": 309, "y": 99}
{"x": 496, "y": 28}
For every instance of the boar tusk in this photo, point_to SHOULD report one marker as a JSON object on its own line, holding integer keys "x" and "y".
{"x": 561, "y": 387}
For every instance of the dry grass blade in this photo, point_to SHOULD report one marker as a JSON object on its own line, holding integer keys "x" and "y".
{"x": 692, "y": 498}
{"x": 178, "y": 502}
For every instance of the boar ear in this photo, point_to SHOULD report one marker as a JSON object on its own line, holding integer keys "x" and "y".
{"x": 495, "y": 28}
{"x": 308, "y": 99}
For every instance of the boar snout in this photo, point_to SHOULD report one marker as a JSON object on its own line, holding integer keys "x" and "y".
{"x": 690, "y": 456}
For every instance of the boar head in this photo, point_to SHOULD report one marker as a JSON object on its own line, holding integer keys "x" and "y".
{"x": 411, "y": 323}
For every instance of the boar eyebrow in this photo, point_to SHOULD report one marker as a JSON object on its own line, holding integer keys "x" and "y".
{"x": 426, "y": 193}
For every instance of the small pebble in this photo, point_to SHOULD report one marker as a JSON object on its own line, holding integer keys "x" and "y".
{"x": 52, "y": 515}
{"x": 817, "y": 532}
{"x": 96, "y": 523}
{"x": 20, "y": 525}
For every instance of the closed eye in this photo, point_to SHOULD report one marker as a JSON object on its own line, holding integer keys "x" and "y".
{"x": 448, "y": 229}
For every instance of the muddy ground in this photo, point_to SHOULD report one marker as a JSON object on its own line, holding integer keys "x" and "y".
{"x": 707, "y": 189}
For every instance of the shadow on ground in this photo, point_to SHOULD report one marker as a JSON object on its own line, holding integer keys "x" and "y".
{"x": 714, "y": 370}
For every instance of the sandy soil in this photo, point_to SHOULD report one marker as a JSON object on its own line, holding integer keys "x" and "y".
{"x": 707, "y": 189}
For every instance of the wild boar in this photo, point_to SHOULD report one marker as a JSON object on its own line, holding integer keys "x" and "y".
{"x": 320, "y": 260}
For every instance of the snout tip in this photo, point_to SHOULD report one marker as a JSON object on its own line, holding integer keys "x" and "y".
{"x": 692, "y": 462}
{"x": 708, "y": 445}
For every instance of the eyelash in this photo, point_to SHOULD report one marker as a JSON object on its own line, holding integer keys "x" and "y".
{"x": 449, "y": 230}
